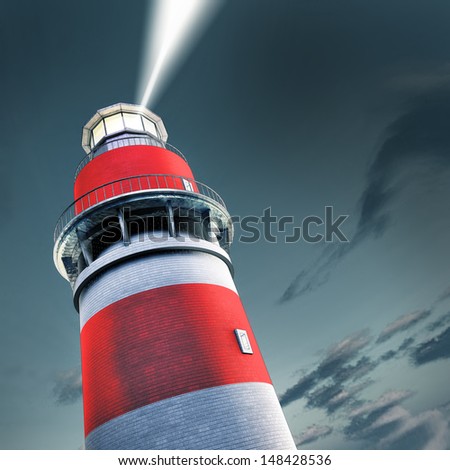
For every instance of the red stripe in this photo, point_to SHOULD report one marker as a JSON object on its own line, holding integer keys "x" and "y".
{"x": 161, "y": 343}
{"x": 123, "y": 162}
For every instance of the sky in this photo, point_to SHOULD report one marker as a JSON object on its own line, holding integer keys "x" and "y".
{"x": 292, "y": 105}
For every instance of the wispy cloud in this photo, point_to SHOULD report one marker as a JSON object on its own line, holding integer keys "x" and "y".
{"x": 326, "y": 396}
{"x": 343, "y": 352}
{"x": 388, "y": 355}
{"x": 419, "y": 135}
{"x": 353, "y": 372}
{"x": 373, "y": 420}
{"x": 345, "y": 361}
{"x": 403, "y": 323}
{"x": 428, "y": 430}
{"x": 433, "y": 349}
{"x": 386, "y": 401}
{"x": 424, "y": 79}
{"x": 445, "y": 295}
{"x": 334, "y": 396}
{"x": 299, "y": 390}
{"x": 407, "y": 342}
{"x": 395, "y": 353}
{"x": 313, "y": 433}
{"x": 335, "y": 384}
{"x": 442, "y": 321}
{"x": 67, "y": 388}
{"x": 384, "y": 424}
{"x": 392, "y": 415}
{"x": 335, "y": 365}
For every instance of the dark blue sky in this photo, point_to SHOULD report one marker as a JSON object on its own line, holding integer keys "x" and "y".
{"x": 289, "y": 104}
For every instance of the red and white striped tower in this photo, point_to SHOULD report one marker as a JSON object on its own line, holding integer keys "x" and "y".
{"x": 169, "y": 360}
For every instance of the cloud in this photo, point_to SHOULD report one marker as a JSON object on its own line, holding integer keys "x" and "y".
{"x": 385, "y": 424}
{"x": 335, "y": 365}
{"x": 433, "y": 349}
{"x": 333, "y": 397}
{"x": 407, "y": 342}
{"x": 418, "y": 136}
{"x": 400, "y": 351}
{"x": 334, "y": 384}
{"x": 378, "y": 425}
{"x": 67, "y": 388}
{"x": 326, "y": 396}
{"x": 388, "y": 355}
{"x": 394, "y": 414}
{"x": 313, "y": 433}
{"x": 428, "y": 430}
{"x": 341, "y": 353}
{"x": 354, "y": 372}
{"x": 403, "y": 323}
{"x": 375, "y": 419}
{"x": 425, "y": 79}
{"x": 305, "y": 282}
{"x": 299, "y": 390}
{"x": 317, "y": 274}
{"x": 386, "y": 401}
{"x": 439, "y": 323}
{"x": 445, "y": 295}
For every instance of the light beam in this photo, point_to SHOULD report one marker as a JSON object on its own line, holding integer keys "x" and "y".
{"x": 173, "y": 28}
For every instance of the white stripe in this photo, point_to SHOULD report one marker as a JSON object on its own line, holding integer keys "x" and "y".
{"x": 237, "y": 416}
{"x": 154, "y": 243}
{"x": 151, "y": 271}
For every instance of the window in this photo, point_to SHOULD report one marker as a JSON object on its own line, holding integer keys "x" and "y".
{"x": 150, "y": 127}
{"x": 114, "y": 123}
{"x": 133, "y": 121}
{"x": 99, "y": 132}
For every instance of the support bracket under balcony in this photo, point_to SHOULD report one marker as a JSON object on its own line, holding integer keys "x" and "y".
{"x": 124, "y": 227}
{"x": 85, "y": 248}
{"x": 206, "y": 221}
{"x": 172, "y": 230}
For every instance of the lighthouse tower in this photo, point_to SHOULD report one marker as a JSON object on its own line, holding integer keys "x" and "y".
{"x": 169, "y": 360}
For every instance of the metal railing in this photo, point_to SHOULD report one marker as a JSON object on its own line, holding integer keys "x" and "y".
{"x": 130, "y": 185}
{"x": 125, "y": 142}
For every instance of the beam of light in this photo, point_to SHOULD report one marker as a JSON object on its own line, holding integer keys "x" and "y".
{"x": 173, "y": 28}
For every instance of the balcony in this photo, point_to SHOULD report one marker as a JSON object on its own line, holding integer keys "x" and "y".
{"x": 137, "y": 185}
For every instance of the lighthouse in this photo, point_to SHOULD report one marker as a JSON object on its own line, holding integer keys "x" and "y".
{"x": 169, "y": 359}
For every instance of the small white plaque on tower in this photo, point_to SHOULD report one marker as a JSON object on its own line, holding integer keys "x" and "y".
{"x": 244, "y": 342}
{"x": 188, "y": 185}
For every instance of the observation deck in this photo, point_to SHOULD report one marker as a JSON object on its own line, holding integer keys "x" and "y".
{"x": 116, "y": 196}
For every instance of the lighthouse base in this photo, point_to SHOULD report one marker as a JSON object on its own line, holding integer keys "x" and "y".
{"x": 237, "y": 416}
